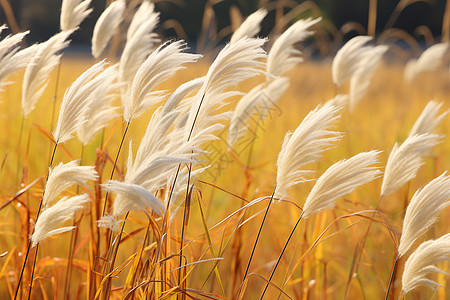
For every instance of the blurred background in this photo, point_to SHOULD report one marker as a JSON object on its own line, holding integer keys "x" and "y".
{"x": 200, "y": 21}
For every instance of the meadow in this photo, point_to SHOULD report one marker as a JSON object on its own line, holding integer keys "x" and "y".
{"x": 218, "y": 219}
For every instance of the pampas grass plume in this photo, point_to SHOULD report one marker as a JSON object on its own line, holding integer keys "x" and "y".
{"x": 250, "y": 27}
{"x": 51, "y": 218}
{"x": 73, "y": 12}
{"x": 422, "y": 262}
{"x": 423, "y": 209}
{"x": 341, "y": 179}
{"x": 405, "y": 160}
{"x": 431, "y": 59}
{"x": 76, "y": 101}
{"x": 283, "y": 56}
{"x": 106, "y": 25}
{"x": 141, "y": 40}
{"x": 36, "y": 77}
{"x": 346, "y": 61}
{"x": 429, "y": 119}
{"x": 305, "y": 145}
{"x": 162, "y": 64}
{"x": 263, "y": 95}
{"x": 63, "y": 176}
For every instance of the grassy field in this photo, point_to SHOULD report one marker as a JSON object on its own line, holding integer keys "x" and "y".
{"x": 318, "y": 259}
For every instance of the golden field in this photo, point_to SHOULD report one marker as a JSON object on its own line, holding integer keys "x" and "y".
{"x": 323, "y": 246}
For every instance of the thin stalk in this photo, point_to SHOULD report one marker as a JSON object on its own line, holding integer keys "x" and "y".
{"x": 114, "y": 166}
{"x": 73, "y": 238}
{"x": 358, "y": 251}
{"x": 392, "y": 276}
{"x": 184, "y": 224}
{"x": 281, "y": 255}
{"x": 18, "y": 149}
{"x": 256, "y": 241}
{"x": 32, "y": 272}
{"x": 115, "y": 250}
{"x": 37, "y": 216}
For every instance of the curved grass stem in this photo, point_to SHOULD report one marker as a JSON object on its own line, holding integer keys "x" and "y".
{"x": 281, "y": 255}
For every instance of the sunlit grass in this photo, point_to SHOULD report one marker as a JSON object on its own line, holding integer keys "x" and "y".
{"x": 384, "y": 116}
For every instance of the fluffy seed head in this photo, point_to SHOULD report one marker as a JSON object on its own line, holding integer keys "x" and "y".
{"x": 423, "y": 209}
{"x": 341, "y": 179}
{"x": 76, "y": 101}
{"x": 63, "y": 176}
{"x": 250, "y": 27}
{"x": 405, "y": 160}
{"x": 283, "y": 56}
{"x": 45, "y": 58}
{"x": 73, "y": 12}
{"x": 253, "y": 104}
{"x": 346, "y": 61}
{"x": 305, "y": 145}
{"x": 428, "y": 120}
{"x": 51, "y": 218}
{"x": 422, "y": 262}
{"x": 162, "y": 64}
{"x": 106, "y": 25}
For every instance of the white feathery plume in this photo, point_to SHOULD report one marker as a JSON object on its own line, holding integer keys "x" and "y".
{"x": 181, "y": 93}
{"x": 360, "y": 81}
{"x": 346, "y": 61}
{"x": 106, "y": 25}
{"x": 51, "y": 218}
{"x": 45, "y": 58}
{"x": 100, "y": 110}
{"x": 304, "y": 146}
{"x": 141, "y": 40}
{"x": 283, "y": 56}
{"x": 405, "y": 160}
{"x": 429, "y": 119}
{"x": 408, "y": 72}
{"x": 11, "y": 59}
{"x": 76, "y": 101}
{"x": 250, "y": 27}
{"x": 422, "y": 262}
{"x": 73, "y": 12}
{"x": 338, "y": 100}
{"x": 235, "y": 63}
{"x": 161, "y": 149}
{"x": 162, "y": 64}
{"x": 63, "y": 176}
{"x": 431, "y": 59}
{"x": 341, "y": 179}
{"x": 132, "y": 196}
{"x": 262, "y": 96}
{"x": 423, "y": 209}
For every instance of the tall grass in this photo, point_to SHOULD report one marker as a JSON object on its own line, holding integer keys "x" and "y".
{"x": 182, "y": 212}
